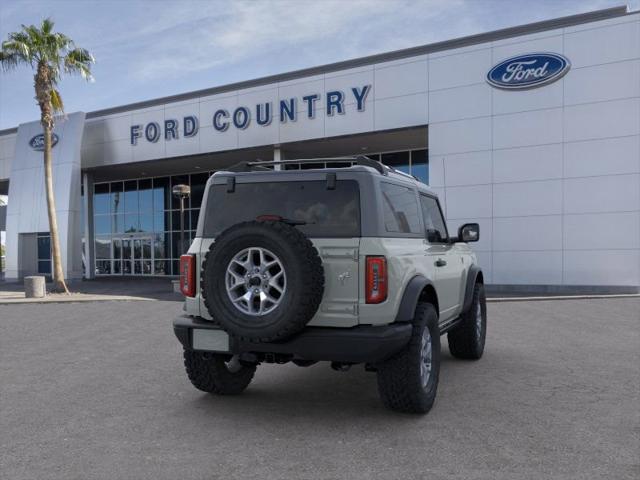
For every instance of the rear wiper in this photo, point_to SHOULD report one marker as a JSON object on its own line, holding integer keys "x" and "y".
{"x": 278, "y": 218}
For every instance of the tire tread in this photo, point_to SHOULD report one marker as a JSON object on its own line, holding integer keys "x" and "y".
{"x": 212, "y": 376}
{"x": 463, "y": 341}
{"x": 398, "y": 377}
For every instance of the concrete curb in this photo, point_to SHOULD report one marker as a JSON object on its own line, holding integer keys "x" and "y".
{"x": 560, "y": 297}
{"x": 74, "y": 299}
{"x": 124, "y": 298}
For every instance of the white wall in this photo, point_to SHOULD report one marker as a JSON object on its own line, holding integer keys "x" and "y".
{"x": 27, "y": 206}
{"x": 398, "y": 98}
{"x": 7, "y": 150}
{"x": 552, "y": 174}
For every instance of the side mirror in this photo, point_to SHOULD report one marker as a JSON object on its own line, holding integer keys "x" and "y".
{"x": 469, "y": 232}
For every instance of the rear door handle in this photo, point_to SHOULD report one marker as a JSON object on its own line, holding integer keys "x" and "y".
{"x": 440, "y": 263}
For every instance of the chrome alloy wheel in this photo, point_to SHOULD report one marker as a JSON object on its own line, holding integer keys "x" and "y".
{"x": 425, "y": 357}
{"x": 255, "y": 281}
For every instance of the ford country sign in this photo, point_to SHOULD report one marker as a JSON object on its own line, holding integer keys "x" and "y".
{"x": 37, "y": 142}
{"x": 528, "y": 71}
{"x": 284, "y": 110}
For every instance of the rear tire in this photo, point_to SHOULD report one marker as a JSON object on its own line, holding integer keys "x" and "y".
{"x": 218, "y": 374}
{"x": 467, "y": 340}
{"x": 408, "y": 381}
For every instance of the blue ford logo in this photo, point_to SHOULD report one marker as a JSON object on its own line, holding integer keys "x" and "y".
{"x": 37, "y": 142}
{"x": 528, "y": 71}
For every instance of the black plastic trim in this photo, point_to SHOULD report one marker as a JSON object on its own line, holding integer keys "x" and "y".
{"x": 474, "y": 271}
{"x": 360, "y": 344}
{"x": 410, "y": 298}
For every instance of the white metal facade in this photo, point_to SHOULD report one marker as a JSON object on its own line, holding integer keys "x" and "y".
{"x": 552, "y": 174}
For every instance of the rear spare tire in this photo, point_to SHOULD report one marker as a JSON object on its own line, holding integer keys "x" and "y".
{"x": 262, "y": 281}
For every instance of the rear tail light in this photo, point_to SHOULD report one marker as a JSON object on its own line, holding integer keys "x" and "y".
{"x": 376, "y": 280}
{"x": 188, "y": 275}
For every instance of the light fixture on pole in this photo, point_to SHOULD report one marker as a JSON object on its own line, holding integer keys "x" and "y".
{"x": 182, "y": 192}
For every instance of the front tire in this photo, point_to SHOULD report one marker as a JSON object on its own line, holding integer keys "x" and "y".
{"x": 408, "y": 381}
{"x": 219, "y": 374}
{"x": 467, "y": 340}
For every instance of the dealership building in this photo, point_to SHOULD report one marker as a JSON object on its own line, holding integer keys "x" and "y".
{"x": 531, "y": 131}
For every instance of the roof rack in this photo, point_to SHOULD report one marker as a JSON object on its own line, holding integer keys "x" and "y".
{"x": 359, "y": 160}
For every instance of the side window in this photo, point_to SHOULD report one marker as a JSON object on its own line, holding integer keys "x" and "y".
{"x": 400, "y": 207}
{"x": 433, "y": 221}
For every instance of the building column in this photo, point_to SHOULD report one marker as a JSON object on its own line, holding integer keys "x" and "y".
{"x": 277, "y": 156}
{"x": 89, "y": 254}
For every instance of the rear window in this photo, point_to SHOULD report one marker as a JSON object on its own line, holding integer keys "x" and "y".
{"x": 326, "y": 213}
{"x": 400, "y": 208}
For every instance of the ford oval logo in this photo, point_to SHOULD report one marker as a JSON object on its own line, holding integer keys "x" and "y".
{"x": 528, "y": 71}
{"x": 37, "y": 142}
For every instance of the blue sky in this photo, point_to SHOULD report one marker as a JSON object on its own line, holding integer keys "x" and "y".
{"x": 149, "y": 49}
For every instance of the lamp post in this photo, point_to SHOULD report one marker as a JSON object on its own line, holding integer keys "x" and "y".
{"x": 182, "y": 192}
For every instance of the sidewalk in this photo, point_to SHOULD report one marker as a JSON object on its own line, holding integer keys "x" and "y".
{"x": 103, "y": 289}
{"x": 141, "y": 289}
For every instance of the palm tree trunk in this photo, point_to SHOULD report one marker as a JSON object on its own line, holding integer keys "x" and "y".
{"x": 59, "y": 284}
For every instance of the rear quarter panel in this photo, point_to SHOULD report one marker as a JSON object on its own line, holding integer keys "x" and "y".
{"x": 405, "y": 260}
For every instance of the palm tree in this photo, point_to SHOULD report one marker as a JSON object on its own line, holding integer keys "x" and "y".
{"x": 49, "y": 54}
{"x": 2, "y": 204}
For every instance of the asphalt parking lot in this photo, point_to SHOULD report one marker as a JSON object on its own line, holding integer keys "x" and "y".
{"x": 97, "y": 390}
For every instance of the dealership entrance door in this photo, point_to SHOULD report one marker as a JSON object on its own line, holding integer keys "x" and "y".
{"x": 133, "y": 255}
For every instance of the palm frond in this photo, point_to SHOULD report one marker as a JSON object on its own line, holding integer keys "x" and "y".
{"x": 34, "y": 34}
{"x": 63, "y": 42}
{"x": 47, "y": 26}
{"x": 51, "y": 53}
{"x": 9, "y": 61}
{"x": 56, "y": 101}
{"x": 79, "y": 61}
{"x": 19, "y": 47}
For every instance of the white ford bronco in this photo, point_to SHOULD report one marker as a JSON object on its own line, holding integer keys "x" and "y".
{"x": 351, "y": 263}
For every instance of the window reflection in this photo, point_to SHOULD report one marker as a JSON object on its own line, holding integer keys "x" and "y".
{"x": 101, "y": 198}
{"x": 131, "y": 196}
{"x": 161, "y": 194}
{"x": 420, "y": 165}
{"x": 139, "y": 213}
{"x": 145, "y": 196}
{"x": 116, "y": 198}
{"x": 198, "y": 183}
{"x": 146, "y": 222}
{"x": 397, "y": 160}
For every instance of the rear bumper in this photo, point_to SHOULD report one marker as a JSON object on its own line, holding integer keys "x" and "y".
{"x": 361, "y": 344}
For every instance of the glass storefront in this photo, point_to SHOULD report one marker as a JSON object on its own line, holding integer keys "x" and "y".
{"x": 137, "y": 224}
{"x": 413, "y": 162}
{"x": 44, "y": 252}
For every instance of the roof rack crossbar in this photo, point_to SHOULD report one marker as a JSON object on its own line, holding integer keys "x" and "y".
{"x": 359, "y": 160}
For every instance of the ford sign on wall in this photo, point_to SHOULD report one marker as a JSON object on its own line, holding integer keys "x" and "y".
{"x": 37, "y": 142}
{"x": 528, "y": 71}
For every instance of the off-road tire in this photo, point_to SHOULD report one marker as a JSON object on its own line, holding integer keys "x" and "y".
{"x": 466, "y": 341}
{"x": 210, "y": 373}
{"x": 304, "y": 276}
{"x": 399, "y": 378}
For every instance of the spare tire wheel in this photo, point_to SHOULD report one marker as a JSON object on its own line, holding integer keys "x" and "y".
{"x": 262, "y": 281}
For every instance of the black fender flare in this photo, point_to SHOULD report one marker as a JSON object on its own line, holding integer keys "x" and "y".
{"x": 410, "y": 297}
{"x": 472, "y": 277}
